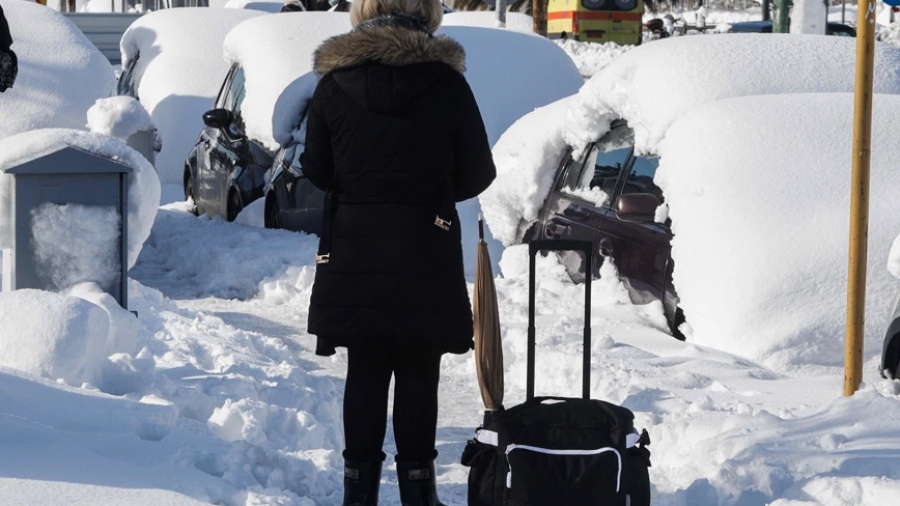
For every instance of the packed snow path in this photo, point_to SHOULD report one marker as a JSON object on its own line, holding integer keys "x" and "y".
{"x": 223, "y": 308}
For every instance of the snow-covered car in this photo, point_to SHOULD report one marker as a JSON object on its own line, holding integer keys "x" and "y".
{"x": 259, "y": 106}
{"x": 293, "y": 203}
{"x": 61, "y": 74}
{"x": 546, "y": 188}
{"x": 172, "y": 63}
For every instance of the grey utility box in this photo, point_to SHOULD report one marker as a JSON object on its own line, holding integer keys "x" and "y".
{"x": 69, "y": 212}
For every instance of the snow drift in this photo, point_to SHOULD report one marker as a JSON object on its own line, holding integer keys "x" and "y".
{"x": 178, "y": 74}
{"x": 654, "y": 84}
{"x": 119, "y": 117}
{"x": 143, "y": 184}
{"x": 61, "y": 74}
{"x": 740, "y": 209}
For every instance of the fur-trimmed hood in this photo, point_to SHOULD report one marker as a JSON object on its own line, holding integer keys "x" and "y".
{"x": 389, "y": 45}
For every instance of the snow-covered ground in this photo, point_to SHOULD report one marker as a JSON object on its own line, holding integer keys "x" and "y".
{"x": 223, "y": 401}
{"x": 213, "y": 394}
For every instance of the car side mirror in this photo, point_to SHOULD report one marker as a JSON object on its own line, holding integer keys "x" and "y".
{"x": 637, "y": 207}
{"x": 217, "y": 118}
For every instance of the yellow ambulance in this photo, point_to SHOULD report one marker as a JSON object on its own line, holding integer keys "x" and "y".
{"x": 616, "y": 21}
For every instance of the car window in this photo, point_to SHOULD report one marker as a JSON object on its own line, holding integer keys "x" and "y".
{"x": 125, "y": 85}
{"x": 594, "y": 177}
{"x": 640, "y": 177}
{"x": 235, "y": 96}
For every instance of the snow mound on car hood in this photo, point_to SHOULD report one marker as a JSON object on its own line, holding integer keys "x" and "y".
{"x": 761, "y": 224}
{"x": 61, "y": 74}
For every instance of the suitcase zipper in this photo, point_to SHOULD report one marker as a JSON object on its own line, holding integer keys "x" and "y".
{"x": 512, "y": 447}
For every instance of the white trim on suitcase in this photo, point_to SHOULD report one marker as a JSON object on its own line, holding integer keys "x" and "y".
{"x": 546, "y": 451}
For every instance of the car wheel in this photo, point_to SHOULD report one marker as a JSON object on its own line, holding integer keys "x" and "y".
{"x": 189, "y": 193}
{"x": 234, "y": 206}
{"x": 273, "y": 213}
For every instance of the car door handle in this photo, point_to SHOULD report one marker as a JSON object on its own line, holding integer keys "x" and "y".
{"x": 578, "y": 212}
{"x": 556, "y": 230}
{"x": 606, "y": 247}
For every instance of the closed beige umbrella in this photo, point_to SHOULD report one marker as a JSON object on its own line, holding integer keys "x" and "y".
{"x": 488, "y": 348}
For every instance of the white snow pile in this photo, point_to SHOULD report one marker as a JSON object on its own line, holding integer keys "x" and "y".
{"x": 591, "y": 57}
{"x": 61, "y": 74}
{"x": 63, "y": 337}
{"x": 119, "y": 117}
{"x": 143, "y": 183}
{"x": 488, "y": 19}
{"x": 276, "y": 53}
{"x": 653, "y": 85}
{"x": 526, "y": 157}
{"x": 739, "y": 211}
{"x": 178, "y": 74}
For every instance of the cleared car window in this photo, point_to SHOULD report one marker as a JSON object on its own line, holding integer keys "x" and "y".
{"x": 640, "y": 178}
{"x": 125, "y": 86}
{"x": 595, "y": 180}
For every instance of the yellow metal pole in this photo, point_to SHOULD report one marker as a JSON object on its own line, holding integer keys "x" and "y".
{"x": 859, "y": 196}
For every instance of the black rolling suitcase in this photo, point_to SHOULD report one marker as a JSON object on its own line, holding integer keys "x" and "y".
{"x": 556, "y": 451}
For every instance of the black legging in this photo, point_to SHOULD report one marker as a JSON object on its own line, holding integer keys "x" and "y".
{"x": 416, "y": 369}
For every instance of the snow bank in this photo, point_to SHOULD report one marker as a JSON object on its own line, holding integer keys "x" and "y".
{"x": 143, "y": 185}
{"x": 808, "y": 17}
{"x": 488, "y": 19}
{"x": 591, "y": 57}
{"x": 522, "y": 155}
{"x": 178, "y": 74}
{"x": 61, "y": 74}
{"x": 276, "y": 53}
{"x": 740, "y": 209}
{"x": 119, "y": 117}
{"x": 61, "y": 337}
{"x": 654, "y": 84}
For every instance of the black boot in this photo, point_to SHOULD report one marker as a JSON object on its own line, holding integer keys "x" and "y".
{"x": 417, "y": 484}
{"x": 361, "y": 481}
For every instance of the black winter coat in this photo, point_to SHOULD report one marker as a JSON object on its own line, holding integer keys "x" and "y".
{"x": 394, "y": 135}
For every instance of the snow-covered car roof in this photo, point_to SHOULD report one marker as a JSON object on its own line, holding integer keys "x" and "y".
{"x": 488, "y": 19}
{"x": 178, "y": 73}
{"x": 61, "y": 74}
{"x": 276, "y": 51}
{"x": 654, "y": 84}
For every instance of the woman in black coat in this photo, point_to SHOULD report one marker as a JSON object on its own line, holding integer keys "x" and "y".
{"x": 395, "y": 138}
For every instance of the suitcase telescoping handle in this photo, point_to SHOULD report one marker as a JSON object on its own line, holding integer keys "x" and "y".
{"x": 565, "y": 245}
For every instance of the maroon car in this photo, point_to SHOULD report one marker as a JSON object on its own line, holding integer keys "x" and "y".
{"x": 607, "y": 196}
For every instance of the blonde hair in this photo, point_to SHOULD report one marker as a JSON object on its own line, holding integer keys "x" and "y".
{"x": 431, "y": 10}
